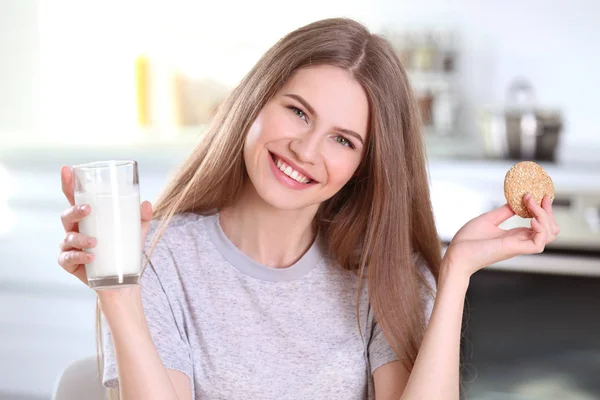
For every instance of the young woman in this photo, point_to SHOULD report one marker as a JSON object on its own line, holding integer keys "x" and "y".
{"x": 294, "y": 255}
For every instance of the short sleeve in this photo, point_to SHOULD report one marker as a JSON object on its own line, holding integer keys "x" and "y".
{"x": 380, "y": 351}
{"x": 164, "y": 316}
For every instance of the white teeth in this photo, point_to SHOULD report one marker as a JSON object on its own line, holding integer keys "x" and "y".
{"x": 292, "y": 173}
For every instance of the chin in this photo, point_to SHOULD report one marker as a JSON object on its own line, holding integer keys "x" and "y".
{"x": 279, "y": 199}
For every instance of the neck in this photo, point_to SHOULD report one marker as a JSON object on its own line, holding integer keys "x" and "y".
{"x": 272, "y": 237}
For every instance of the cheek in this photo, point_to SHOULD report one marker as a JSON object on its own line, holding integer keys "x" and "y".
{"x": 254, "y": 140}
{"x": 270, "y": 126}
{"x": 341, "y": 167}
{"x": 250, "y": 143}
{"x": 254, "y": 133}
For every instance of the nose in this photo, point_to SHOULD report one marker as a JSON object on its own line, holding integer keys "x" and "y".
{"x": 306, "y": 147}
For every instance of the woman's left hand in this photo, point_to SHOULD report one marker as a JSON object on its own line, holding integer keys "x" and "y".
{"x": 480, "y": 242}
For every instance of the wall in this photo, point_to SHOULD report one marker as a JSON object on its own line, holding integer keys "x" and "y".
{"x": 19, "y": 68}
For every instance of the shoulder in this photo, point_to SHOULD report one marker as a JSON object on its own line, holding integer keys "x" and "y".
{"x": 426, "y": 278}
{"x": 173, "y": 247}
{"x": 179, "y": 229}
{"x": 427, "y": 284}
{"x": 177, "y": 222}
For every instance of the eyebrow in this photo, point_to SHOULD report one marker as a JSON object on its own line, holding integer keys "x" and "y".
{"x": 311, "y": 110}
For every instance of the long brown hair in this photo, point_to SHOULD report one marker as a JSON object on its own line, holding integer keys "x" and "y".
{"x": 382, "y": 217}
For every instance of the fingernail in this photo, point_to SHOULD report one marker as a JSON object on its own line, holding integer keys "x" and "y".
{"x": 90, "y": 257}
{"x": 91, "y": 242}
{"x": 83, "y": 208}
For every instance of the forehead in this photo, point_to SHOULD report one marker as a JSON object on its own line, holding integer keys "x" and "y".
{"x": 338, "y": 99}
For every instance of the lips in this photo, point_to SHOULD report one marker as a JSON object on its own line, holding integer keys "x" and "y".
{"x": 294, "y": 167}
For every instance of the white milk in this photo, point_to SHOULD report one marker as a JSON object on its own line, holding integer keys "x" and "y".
{"x": 115, "y": 223}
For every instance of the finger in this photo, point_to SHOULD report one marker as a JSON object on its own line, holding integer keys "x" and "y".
{"x": 146, "y": 214}
{"x": 66, "y": 177}
{"x": 537, "y": 226}
{"x": 71, "y": 260}
{"x": 80, "y": 274}
{"x": 531, "y": 247}
{"x": 73, "y": 215}
{"x": 523, "y": 240}
{"x": 146, "y": 211}
{"x": 499, "y": 215}
{"x": 532, "y": 242}
{"x": 539, "y": 213}
{"x": 547, "y": 205}
{"x": 77, "y": 241}
{"x": 521, "y": 233}
{"x": 540, "y": 236}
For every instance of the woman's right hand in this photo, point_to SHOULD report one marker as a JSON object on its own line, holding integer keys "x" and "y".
{"x": 72, "y": 257}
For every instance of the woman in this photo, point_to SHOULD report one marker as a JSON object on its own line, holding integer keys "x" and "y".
{"x": 295, "y": 254}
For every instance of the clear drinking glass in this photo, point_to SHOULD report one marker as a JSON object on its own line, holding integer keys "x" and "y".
{"x": 111, "y": 188}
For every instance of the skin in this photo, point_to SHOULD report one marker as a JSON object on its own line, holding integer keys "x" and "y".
{"x": 272, "y": 224}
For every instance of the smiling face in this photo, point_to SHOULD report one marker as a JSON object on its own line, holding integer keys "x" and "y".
{"x": 309, "y": 139}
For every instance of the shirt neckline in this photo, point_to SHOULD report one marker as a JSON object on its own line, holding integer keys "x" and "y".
{"x": 248, "y": 266}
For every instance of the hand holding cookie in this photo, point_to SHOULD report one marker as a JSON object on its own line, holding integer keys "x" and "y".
{"x": 525, "y": 178}
{"x": 480, "y": 242}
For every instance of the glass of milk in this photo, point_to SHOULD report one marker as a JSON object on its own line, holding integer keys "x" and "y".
{"x": 111, "y": 188}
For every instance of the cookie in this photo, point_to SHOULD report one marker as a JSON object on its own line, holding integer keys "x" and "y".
{"x": 526, "y": 177}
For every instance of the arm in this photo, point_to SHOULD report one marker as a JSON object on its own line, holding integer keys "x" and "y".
{"x": 478, "y": 243}
{"x": 141, "y": 371}
{"x": 129, "y": 332}
{"x": 438, "y": 358}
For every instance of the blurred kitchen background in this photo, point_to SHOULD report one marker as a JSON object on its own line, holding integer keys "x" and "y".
{"x": 496, "y": 82}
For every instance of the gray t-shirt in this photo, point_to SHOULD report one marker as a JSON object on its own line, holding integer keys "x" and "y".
{"x": 242, "y": 330}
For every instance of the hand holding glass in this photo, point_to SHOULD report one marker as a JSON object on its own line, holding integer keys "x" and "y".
{"x": 111, "y": 189}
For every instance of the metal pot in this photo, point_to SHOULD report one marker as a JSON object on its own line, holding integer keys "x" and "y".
{"x": 521, "y": 131}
